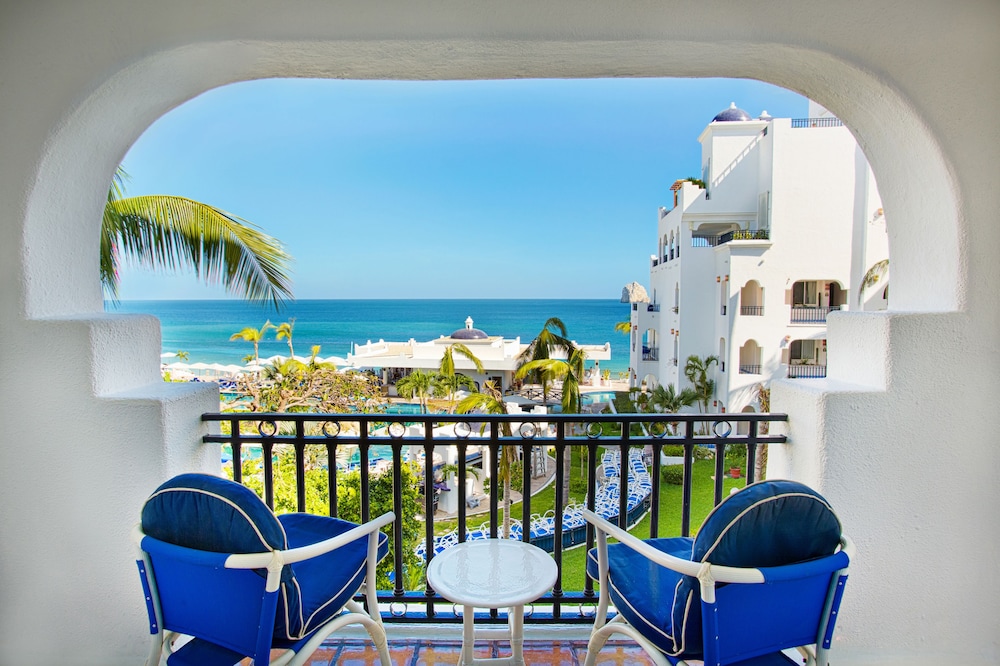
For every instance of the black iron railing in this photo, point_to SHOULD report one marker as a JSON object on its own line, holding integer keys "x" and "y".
{"x": 749, "y": 368}
{"x": 752, "y": 310}
{"x": 729, "y": 236}
{"x": 650, "y": 353}
{"x": 807, "y": 314}
{"x": 806, "y": 371}
{"x": 265, "y": 439}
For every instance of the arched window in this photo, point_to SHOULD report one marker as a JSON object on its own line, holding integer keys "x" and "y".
{"x": 750, "y": 355}
{"x": 752, "y": 299}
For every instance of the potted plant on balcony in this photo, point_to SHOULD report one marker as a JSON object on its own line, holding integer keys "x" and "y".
{"x": 735, "y": 458}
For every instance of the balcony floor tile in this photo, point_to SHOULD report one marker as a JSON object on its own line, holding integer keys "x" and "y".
{"x": 428, "y": 652}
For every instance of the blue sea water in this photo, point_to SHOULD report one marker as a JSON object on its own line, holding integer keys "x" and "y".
{"x": 203, "y": 328}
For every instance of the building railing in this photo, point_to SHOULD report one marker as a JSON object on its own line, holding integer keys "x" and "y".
{"x": 653, "y": 307}
{"x": 752, "y": 310}
{"x": 799, "y": 123}
{"x": 650, "y": 353}
{"x": 750, "y": 369}
{"x": 806, "y": 371}
{"x": 269, "y": 438}
{"x": 807, "y": 314}
{"x": 737, "y": 235}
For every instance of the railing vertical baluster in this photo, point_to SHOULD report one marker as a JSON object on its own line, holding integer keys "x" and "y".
{"x": 526, "y": 492}
{"x": 720, "y": 471}
{"x": 267, "y": 448}
{"x": 623, "y": 475}
{"x": 462, "y": 499}
{"x": 588, "y": 584}
{"x": 399, "y": 588}
{"x": 654, "y": 512}
{"x": 363, "y": 469}
{"x": 300, "y": 464}
{"x": 494, "y": 447}
{"x": 751, "y": 452}
{"x": 688, "y": 480}
{"x": 560, "y": 508}
{"x": 236, "y": 448}
{"x": 331, "y": 475}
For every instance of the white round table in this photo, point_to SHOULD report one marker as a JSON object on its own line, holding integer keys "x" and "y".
{"x": 492, "y": 573}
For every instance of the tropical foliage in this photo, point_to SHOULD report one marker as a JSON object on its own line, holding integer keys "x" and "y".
{"x": 169, "y": 233}
{"x": 872, "y": 277}
{"x": 549, "y": 341}
{"x": 418, "y": 384}
{"x": 254, "y": 335}
{"x": 284, "y": 331}
{"x": 696, "y": 370}
{"x": 490, "y": 401}
{"x": 668, "y": 400}
{"x": 448, "y": 380}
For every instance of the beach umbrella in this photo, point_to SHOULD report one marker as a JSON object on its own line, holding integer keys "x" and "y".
{"x": 251, "y": 367}
{"x": 200, "y": 366}
{"x": 168, "y": 355}
{"x": 178, "y": 365}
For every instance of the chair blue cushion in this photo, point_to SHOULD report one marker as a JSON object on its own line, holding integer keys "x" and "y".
{"x": 642, "y": 591}
{"x": 210, "y": 513}
{"x": 325, "y": 583}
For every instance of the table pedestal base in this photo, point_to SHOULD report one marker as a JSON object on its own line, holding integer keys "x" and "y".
{"x": 514, "y": 633}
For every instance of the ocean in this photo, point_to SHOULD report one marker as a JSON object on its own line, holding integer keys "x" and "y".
{"x": 202, "y": 328}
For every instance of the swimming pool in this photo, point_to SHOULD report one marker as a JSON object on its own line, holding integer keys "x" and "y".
{"x": 600, "y": 396}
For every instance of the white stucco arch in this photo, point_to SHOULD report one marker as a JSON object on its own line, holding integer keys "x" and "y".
{"x": 83, "y": 80}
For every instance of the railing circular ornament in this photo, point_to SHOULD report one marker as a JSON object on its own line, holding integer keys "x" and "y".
{"x": 528, "y": 430}
{"x": 267, "y": 428}
{"x": 331, "y": 428}
{"x": 722, "y": 428}
{"x": 396, "y": 429}
{"x": 587, "y": 610}
{"x": 463, "y": 429}
{"x": 594, "y": 430}
{"x": 397, "y": 609}
{"x": 529, "y": 610}
{"x": 658, "y": 429}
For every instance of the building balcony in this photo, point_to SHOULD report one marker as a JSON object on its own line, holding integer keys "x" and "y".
{"x": 749, "y": 368}
{"x": 796, "y": 371}
{"x": 650, "y": 353}
{"x": 737, "y": 235}
{"x": 752, "y": 310}
{"x": 809, "y": 314}
{"x": 286, "y": 457}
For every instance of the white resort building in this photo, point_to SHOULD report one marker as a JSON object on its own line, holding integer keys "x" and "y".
{"x": 497, "y": 354}
{"x": 751, "y": 260}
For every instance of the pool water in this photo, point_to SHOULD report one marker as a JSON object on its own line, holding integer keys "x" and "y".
{"x": 601, "y": 396}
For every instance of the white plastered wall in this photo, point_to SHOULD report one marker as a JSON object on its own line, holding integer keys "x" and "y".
{"x": 90, "y": 430}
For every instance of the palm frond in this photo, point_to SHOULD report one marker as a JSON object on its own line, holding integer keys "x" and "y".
{"x": 872, "y": 276}
{"x": 166, "y": 232}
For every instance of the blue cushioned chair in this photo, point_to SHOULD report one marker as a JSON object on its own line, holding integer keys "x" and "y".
{"x": 765, "y": 574}
{"x": 217, "y": 566}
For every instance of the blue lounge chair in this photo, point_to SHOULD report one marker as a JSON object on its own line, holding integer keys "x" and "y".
{"x": 765, "y": 574}
{"x": 217, "y": 566}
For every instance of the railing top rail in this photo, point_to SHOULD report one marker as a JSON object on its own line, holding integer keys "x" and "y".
{"x": 320, "y": 417}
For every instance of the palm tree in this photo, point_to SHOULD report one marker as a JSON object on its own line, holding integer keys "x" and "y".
{"x": 165, "y": 232}
{"x": 871, "y": 277}
{"x": 623, "y": 327}
{"x": 571, "y": 372}
{"x": 545, "y": 344}
{"x": 183, "y": 355}
{"x": 762, "y": 394}
{"x": 448, "y": 379}
{"x": 416, "y": 384}
{"x": 669, "y": 401}
{"x": 696, "y": 370}
{"x": 490, "y": 401}
{"x": 285, "y": 331}
{"x": 254, "y": 335}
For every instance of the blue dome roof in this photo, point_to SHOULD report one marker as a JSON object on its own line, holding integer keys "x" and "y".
{"x": 469, "y": 333}
{"x": 731, "y": 114}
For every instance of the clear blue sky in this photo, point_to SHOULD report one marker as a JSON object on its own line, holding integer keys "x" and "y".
{"x": 446, "y": 189}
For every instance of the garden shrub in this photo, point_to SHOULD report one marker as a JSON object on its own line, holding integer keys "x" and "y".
{"x": 672, "y": 474}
